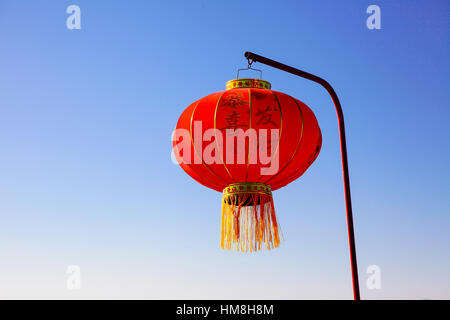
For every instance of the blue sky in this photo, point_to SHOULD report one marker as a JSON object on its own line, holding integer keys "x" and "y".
{"x": 85, "y": 173}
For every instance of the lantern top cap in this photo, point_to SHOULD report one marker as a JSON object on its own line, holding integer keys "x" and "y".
{"x": 248, "y": 83}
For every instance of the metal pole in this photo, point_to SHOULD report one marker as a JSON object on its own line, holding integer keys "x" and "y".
{"x": 252, "y": 57}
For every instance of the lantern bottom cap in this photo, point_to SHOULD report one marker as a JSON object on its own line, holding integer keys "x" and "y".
{"x": 243, "y": 193}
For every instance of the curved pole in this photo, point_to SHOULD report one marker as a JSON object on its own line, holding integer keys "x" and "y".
{"x": 252, "y": 57}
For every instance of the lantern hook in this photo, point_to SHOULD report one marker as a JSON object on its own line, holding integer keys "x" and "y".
{"x": 250, "y": 61}
{"x": 249, "y": 67}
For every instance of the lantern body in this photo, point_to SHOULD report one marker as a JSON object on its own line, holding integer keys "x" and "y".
{"x": 247, "y": 139}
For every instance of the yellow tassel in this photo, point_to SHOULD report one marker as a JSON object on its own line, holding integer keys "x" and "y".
{"x": 248, "y": 218}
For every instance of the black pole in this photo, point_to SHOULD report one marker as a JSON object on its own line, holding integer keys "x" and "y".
{"x": 252, "y": 57}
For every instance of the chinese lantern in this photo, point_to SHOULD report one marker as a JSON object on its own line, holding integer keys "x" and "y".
{"x": 246, "y": 142}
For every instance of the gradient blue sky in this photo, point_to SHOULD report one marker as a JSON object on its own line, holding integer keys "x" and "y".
{"x": 85, "y": 124}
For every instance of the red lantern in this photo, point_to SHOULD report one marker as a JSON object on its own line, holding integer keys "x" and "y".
{"x": 246, "y": 142}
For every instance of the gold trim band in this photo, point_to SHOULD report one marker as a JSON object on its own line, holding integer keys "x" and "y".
{"x": 246, "y": 187}
{"x": 248, "y": 83}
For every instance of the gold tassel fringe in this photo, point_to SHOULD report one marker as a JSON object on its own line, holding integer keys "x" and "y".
{"x": 248, "y": 218}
